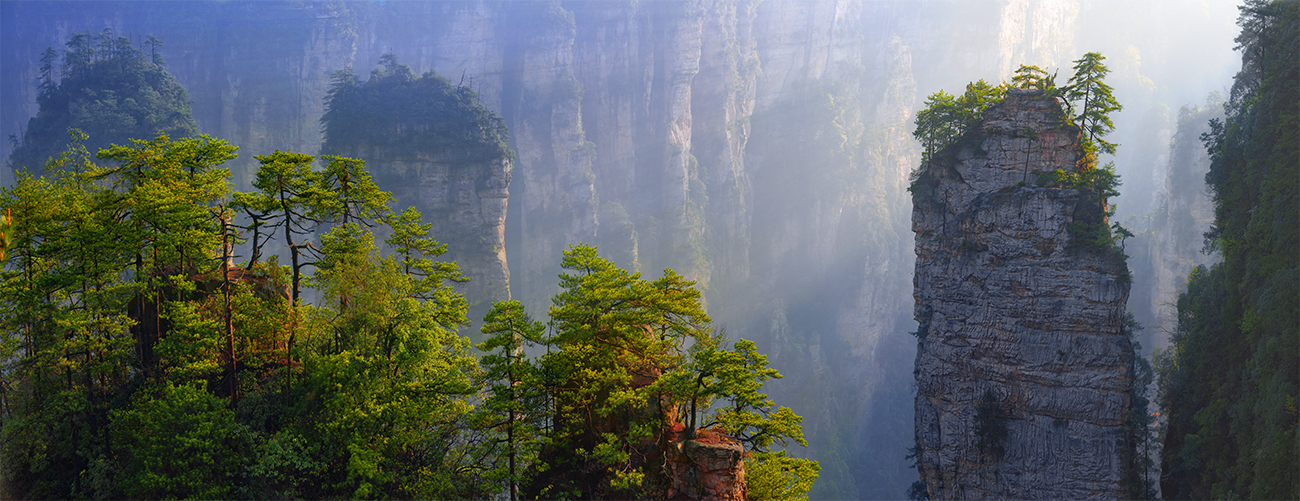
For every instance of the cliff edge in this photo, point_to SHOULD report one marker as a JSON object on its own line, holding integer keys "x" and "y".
{"x": 1022, "y": 366}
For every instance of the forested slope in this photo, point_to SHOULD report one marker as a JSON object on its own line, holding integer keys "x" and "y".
{"x": 1229, "y": 384}
{"x": 140, "y": 361}
{"x": 152, "y": 345}
{"x": 106, "y": 88}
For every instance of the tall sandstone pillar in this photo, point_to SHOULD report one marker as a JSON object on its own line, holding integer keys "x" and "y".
{"x": 1023, "y": 369}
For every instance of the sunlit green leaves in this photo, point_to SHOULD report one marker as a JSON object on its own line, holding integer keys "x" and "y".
{"x": 1033, "y": 77}
{"x": 946, "y": 118}
{"x": 777, "y": 476}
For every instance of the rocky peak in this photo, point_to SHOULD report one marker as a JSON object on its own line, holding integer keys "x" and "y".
{"x": 707, "y": 465}
{"x": 1022, "y": 367}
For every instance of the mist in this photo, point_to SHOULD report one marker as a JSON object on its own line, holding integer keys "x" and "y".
{"x": 760, "y": 148}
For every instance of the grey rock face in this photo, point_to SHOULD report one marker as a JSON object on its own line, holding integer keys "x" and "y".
{"x": 465, "y": 202}
{"x": 1006, "y": 310}
{"x": 759, "y": 147}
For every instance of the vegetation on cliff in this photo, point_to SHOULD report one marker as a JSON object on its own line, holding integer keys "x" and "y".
{"x": 947, "y": 122}
{"x": 404, "y": 114}
{"x": 1042, "y": 144}
{"x": 1229, "y": 385}
{"x": 632, "y": 369}
{"x": 140, "y": 361}
{"x": 108, "y": 89}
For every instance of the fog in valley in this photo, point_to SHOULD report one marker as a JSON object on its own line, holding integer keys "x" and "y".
{"x": 760, "y": 148}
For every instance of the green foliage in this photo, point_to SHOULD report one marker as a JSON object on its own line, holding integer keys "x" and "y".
{"x": 410, "y": 241}
{"x": 515, "y": 391}
{"x": 946, "y": 118}
{"x": 291, "y": 197}
{"x": 181, "y": 442}
{"x": 115, "y": 292}
{"x": 1229, "y": 386}
{"x": 358, "y": 199}
{"x": 777, "y": 476}
{"x": 632, "y": 361}
{"x": 1089, "y": 231}
{"x": 1140, "y": 472}
{"x": 917, "y": 491}
{"x": 616, "y": 334}
{"x": 1033, "y": 77}
{"x": 377, "y": 398}
{"x": 6, "y": 233}
{"x": 747, "y": 414}
{"x": 109, "y": 90}
{"x": 384, "y": 375}
{"x": 93, "y": 249}
{"x": 140, "y": 360}
{"x": 399, "y": 111}
{"x": 167, "y": 189}
{"x": 1096, "y": 101}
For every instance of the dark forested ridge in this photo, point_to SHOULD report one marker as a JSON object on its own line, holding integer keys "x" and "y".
{"x": 1229, "y": 384}
{"x": 108, "y": 88}
{"x": 400, "y": 111}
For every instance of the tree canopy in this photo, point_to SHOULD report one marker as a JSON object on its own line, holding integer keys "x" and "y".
{"x": 945, "y": 119}
{"x": 399, "y": 111}
{"x": 631, "y": 364}
{"x": 140, "y": 361}
{"x": 1095, "y": 100}
{"x": 153, "y": 346}
{"x": 1230, "y": 382}
{"x": 108, "y": 89}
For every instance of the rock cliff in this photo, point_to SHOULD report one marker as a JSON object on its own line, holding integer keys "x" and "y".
{"x": 709, "y": 466}
{"x": 1184, "y": 213}
{"x": 760, "y": 147}
{"x": 465, "y": 204}
{"x": 1022, "y": 368}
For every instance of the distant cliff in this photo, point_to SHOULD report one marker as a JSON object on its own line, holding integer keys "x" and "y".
{"x": 1184, "y": 213}
{"x": 108, "y": 89}
{"x": 437, "y": 149}
{"x": 1022, "y": 368}
{"x": 759, "y": 147}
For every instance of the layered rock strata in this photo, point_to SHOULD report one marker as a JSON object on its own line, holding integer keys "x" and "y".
{"x": 1022, "y": 368}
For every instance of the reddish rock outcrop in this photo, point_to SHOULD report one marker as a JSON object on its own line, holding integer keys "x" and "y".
{"x": 709, "y": 466}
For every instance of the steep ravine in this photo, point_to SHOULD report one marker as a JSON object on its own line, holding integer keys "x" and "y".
{"x": 1183, "y": 213}
{"x": 1023, "y": 368}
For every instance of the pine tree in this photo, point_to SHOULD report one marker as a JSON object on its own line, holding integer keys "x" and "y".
{"x": 516, "y": 398}
{"x": 1095, "y": 101}
{"x": 1033, "y": 77}
{"x": 107, "y": 89}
